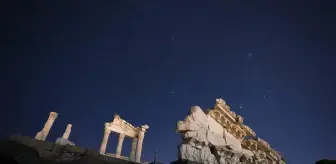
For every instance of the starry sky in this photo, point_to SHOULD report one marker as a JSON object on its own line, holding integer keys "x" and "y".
{"x": 149, "y": 61}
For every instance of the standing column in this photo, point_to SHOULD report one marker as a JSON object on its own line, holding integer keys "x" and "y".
{"x": 120, "y": 143}
{"x": 104, "y": 142}
{"x": 134, "y": 144}
{"x": 141, "y": 136}
{"x": 42, "y": 135}
{"x": 67, "y": 132}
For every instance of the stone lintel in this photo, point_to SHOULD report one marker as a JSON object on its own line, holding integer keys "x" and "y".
{"x": 121, "y": 126}
{"x": 53, "y": 115}
{"x": 123, "y": 130}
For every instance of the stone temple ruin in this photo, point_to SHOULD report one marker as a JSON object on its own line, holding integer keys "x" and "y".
{"x": 218, "y": 136}
{"x": 124, "y": 128}
{"x": 118, "y": 125}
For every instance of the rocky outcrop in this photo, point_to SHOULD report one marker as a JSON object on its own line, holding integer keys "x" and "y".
{"x": 63, "y": 141}
{"x": 201, "y": 145}
{"x": 25, "y": 150}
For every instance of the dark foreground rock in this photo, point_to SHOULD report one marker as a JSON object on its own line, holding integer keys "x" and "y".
{"x": 25, "y": 150}
{"x": 326, "y": 161}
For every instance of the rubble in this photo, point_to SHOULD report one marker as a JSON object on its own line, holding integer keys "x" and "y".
{"x": 210, "y": 140}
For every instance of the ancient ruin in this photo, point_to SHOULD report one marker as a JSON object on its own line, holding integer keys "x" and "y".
{"x": 42, "y": 135}
{"x": 218, "y": 136}
{"x": 67, "y": 132}
{"x": 64, "y": 140}
{"x": 215, "y": 136}
{"x": 124, "y": 128}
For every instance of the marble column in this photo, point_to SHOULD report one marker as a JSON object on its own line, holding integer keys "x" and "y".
{"x": 67, "y": 132}
{"x": 134, "y": 144}
{"x": 120, "y": 144}
{"x": 104, "y": 141}
{"x": 42, "y": 135}
{"x": 141, "y": 136}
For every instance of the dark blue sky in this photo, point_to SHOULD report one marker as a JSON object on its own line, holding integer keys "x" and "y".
{"x": 89, "y": 60}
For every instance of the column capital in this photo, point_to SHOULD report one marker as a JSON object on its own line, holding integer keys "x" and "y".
{"x": 121, "y": 135}
{"x": 107, "y": 131}
{"x": 143, "y": 128}
{"x": 53, "y": 115}
{"x": 141, "y": 131}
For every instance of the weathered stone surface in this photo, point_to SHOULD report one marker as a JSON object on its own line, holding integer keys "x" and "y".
{"x": 63, "y": 141}
{"x": 216, "y": 140}
{"x": 201, "y": 155}
{"x": 194, "y": 131}
{"x": 229, "y": 156}
{"x": 232, "y": 141}
{"x": 204, "y": 145}
{"x": 215, "y": 127}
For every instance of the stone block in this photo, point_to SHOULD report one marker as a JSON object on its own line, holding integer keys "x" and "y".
{"x": 215, "y": 127}
{"x": 197, "y": 114}
{"x": 215, "y": 139}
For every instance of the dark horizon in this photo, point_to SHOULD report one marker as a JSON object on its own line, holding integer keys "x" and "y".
{"x": 150, "y": 61}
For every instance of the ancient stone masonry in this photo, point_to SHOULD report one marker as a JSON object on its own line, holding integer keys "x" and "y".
{"x": 64, "y": 140}
{"x": 218, "y": 136}
{"x": 124, "y": 128}
{"x": 67, "y": 132}
{"x": 42, "y": 135}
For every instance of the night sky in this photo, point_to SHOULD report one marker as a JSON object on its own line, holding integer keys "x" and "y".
{"x": 149, "y": 61}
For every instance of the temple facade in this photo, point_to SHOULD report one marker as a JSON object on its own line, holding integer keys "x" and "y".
{"x": 118, "y": 125}
{"x": 124, "y": 129}
{"x": 227, "y": 121}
